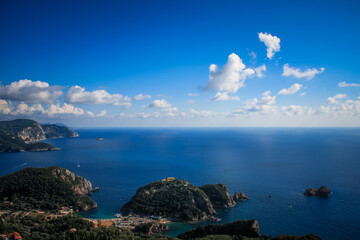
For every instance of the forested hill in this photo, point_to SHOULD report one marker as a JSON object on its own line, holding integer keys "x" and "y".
{"x": 45, "y": 188}
{"x": 178, "y": 199}
{"x": 23, "y": 134}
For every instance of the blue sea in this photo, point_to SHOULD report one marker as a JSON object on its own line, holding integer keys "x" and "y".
{"x": 282, "y": 162}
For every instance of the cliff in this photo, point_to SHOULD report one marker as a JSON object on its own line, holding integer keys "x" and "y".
{"x": 20, "y": 135}
{"x": 219, "y": 195}
{"x": 178, "y": 199}
{"x": 45, "y": 188}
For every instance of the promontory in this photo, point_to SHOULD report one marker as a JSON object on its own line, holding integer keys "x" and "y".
{"x": 50, "y": 188}
{"x": 179, "y": 200}
{"x": 25, "y": 134}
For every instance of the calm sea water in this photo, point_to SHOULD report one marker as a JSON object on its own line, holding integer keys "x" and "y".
{"x": 257, "y": 161}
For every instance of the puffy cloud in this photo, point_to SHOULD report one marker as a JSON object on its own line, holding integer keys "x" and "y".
{"x": 344, "y": 84}
{"x": 230, "y": 77}
{"x": 140, "y": 97}
{"x": 193, "y": 94}
{"x": 264, "y": 105}
{"x": 37, "y": 110}
{"x": 302, "y": 94}
{"x": 65, "y": 109}
{"x": 296, "y": 72}
{"x": 342, "y": 108}
{"x": 259, "y": 71}
{"x": 223, "y": 96}
{"x": 190, "y": 101}
{"x": 30, "y": 91}
{"x": 77, "y": 94}
{"x": 336, "y": 97}
{"x": 294, "y": 110}
{"x": 4, "y": 107}
{"x": 291, "y": 90}
{"x": 272, "y": 44}
{"x": 159, "y": 103}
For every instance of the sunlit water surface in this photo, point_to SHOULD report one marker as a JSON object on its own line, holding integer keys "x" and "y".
{"x": 257, "y": 161}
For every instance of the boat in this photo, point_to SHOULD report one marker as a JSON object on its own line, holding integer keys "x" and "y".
{"x": 100, "y": 139}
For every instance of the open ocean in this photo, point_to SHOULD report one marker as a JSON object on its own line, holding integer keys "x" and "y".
{"x": 282, "y": 162}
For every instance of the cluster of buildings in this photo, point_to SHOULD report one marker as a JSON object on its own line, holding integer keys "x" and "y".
{"x": 130, "y": 222}
{"x": 11, "y": 236}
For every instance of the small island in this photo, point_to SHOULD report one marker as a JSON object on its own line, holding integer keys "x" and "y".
{"x": 24, "y": 135}
{"x": 320, "y": 192}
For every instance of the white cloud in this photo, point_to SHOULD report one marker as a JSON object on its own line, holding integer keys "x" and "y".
{"x": 223, "y": 96}
{"x": 302, "y": 94}
{"x": 230, "y": 77}
{"x": 193, "y": 94}
{"x": 291, "y": 90}
{"x": 37, "y": 110}
{"x": 342, "y": 108}
{"x": 190, "y": 101}
{"x": 140, "y": 97}
{"x": 101, "y": 114}
{"x": 264, "y": 105}
{"x": 65, "y": 109}
{"x": 30, "y": 91}
{"x": 162, "y": 103}
{"x": 296, "y": 72}
{"x": 259, "y": 71}
{"x": 77, "y": 94}
{"x": 336, "y": 97}
{"x": 4, "y": 107}
{"x": 206, "y": 113}
{"x": 344, "y": 84}
{"x": 294, "y": 110}
{"x": 272, "y": 44}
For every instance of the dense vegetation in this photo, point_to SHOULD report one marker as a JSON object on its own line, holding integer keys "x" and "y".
{"x": 63, "y": 228}
{"x": 18, "y": 135}
{"x": 177, "y": 199}
{"x": 39, "y": 228}
{"x": 239, "y": 230}
{"x": 246, "y": 228}
{"x": 40, "y": 188}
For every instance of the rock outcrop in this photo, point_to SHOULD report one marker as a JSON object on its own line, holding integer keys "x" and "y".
{"x": 219, "y": 195}
{"x": 179, "y": 200}
{"x": 320, "y": 192}
{"x": 240, "y": 196}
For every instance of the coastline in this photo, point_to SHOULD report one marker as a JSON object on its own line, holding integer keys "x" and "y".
{"x": 128, "y": 222}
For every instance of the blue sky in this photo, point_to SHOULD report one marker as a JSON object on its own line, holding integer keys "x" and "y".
{"x": 92, "y": 58}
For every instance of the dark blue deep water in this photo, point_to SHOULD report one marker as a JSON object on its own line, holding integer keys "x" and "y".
{"x": 257, "y": 161}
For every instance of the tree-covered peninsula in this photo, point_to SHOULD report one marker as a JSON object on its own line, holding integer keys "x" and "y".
{"x": 179, "y": 200}
{"x": 48, "y": 188}
{"x": 25, "y": 134}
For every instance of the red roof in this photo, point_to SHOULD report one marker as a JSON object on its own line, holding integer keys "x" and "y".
{"x": 14, "y": 235}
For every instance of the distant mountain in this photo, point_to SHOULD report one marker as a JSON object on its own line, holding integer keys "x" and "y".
{"x": 45, "y": 188}
{"x": 178, "y": 199}
{"x": 20, "y": 135}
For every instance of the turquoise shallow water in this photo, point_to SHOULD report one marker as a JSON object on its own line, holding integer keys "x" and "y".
{"x": 257, "y": 161}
